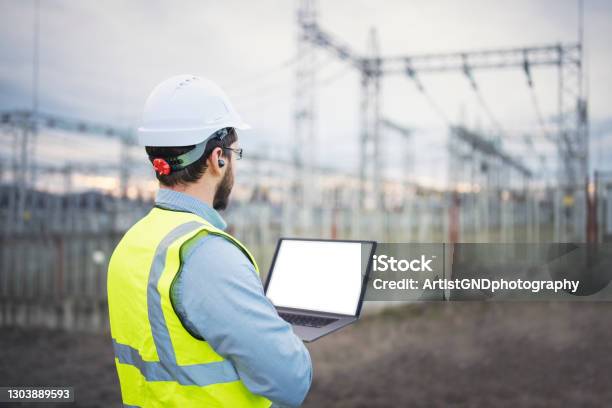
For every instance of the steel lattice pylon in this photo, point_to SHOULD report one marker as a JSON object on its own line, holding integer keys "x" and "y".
{"x": 571, "y": 137}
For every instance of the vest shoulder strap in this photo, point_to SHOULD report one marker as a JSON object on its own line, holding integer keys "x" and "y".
{"x": 211, "y": 229}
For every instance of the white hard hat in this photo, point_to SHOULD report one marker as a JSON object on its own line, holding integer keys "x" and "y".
{"x": 186, "y": 110}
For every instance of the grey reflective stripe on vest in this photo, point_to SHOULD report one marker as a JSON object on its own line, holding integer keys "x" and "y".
{"x": 167, "y": 368}
{"x": 195, "y": 374}
{"x": 161, "y": 336}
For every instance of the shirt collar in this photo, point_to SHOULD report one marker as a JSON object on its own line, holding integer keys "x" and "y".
{"x": 174, "y": 200}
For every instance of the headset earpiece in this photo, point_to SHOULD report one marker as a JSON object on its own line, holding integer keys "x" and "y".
{"x": 221, "y": 162}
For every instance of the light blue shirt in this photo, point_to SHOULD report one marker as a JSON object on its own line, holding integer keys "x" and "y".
{"x": 219, "y": 297}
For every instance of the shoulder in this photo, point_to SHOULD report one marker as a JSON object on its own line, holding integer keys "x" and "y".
{"x": 212, "y": 250}
{"x": 206, "y": 242}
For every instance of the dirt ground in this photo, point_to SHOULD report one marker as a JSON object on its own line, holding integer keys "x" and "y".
{"x": 426, "y": 355}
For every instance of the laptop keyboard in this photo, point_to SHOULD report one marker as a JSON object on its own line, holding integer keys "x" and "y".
{"x": 308, "y": 321}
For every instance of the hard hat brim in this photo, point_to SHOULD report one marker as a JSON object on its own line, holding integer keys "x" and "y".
{"x": 242, "y": 126}
{"x": 182, "y": 137}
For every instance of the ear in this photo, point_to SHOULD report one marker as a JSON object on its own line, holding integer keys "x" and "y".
{"x": 213, "y": 162}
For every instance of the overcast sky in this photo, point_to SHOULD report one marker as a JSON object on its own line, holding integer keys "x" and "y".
{"x": 99, "y": 61}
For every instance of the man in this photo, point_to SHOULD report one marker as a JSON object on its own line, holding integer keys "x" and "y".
{"x": 190, "y": 324}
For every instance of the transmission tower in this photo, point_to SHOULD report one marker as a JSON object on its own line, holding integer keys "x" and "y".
{"x": 571, "y": 137}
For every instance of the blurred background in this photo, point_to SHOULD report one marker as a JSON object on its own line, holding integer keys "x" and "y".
{"x": 420, "y": 121}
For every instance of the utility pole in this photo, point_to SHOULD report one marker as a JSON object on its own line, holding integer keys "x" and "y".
{"x": 35, "y": 97}
{"x": 370, "y": 164}
{"x": 29, "y": 131}
{"x": 125, "y": 165}
{"x": 408, "y": 156}
{"x": 300, "y": 197}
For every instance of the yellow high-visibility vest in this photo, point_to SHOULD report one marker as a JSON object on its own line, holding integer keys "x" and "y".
{"x": 159, "y": 363}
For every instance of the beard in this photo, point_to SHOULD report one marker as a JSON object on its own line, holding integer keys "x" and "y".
{"x": 221, "y": 198}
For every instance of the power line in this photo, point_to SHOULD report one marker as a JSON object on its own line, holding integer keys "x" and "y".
{"x": 255, "y": 86}
{"x": 436, "y": 108}
{"x": 277, "y": 92}
{"x": 467, "y": 71}
{"x": 411, "y": 73}
{"x": 485, "y": 107}
{"x": 330, "y": 79}
{"x": 536, "y": 103}
{"x": 265, "y": 73}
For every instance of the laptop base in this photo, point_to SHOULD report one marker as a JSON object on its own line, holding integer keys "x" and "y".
{"x": 309, "y": 334}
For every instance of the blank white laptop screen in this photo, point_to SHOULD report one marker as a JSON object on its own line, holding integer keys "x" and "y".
{"x": 323, "y": 276}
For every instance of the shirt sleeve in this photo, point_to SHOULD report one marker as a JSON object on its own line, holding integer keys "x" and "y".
{"x": 220, "y": 296}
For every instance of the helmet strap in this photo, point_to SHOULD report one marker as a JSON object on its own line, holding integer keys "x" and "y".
{"x": 180, "y": 162}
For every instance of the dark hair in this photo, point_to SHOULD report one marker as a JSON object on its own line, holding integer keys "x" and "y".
{"x": 195, "y": 170}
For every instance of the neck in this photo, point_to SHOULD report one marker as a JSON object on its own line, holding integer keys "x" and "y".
{"x": 201, "y": 191}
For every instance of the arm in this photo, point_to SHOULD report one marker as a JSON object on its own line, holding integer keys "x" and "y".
{"x": 220, "y": 296}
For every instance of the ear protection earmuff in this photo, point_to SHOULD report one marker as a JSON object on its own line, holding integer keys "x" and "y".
{"x": 221, "y": 162}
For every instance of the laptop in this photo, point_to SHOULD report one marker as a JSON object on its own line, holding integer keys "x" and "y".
{"x": 318, "y": 285}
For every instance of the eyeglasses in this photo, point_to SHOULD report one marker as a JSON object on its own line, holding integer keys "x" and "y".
{"x": 237, "y": 151}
